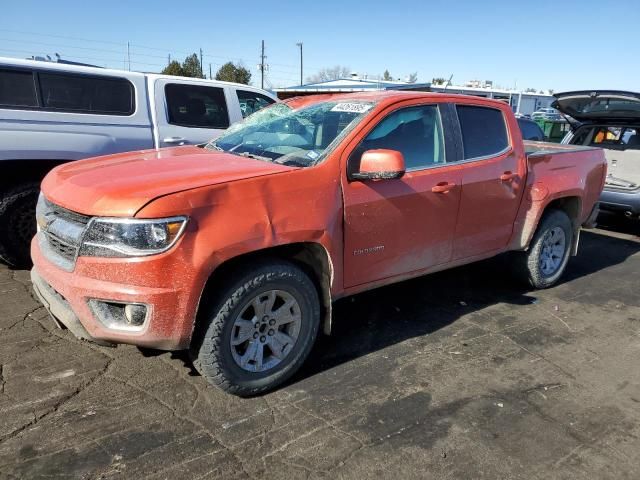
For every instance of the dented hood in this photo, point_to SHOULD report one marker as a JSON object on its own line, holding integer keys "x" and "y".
{"x": 120, "y": 185}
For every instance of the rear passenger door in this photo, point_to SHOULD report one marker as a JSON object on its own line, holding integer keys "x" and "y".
{"x": 492, "y": 181}
{"x": 189, "y": 113}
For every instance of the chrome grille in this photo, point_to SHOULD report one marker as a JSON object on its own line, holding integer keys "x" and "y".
{"x": 61, "y": 232}
{"x": 63, "y": 249}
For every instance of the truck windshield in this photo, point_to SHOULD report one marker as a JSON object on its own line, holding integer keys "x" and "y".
{"x": 300, "y": 137}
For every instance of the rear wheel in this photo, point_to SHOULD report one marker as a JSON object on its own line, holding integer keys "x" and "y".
{"x": 18, "y": 220}
{"x": 260, "y": 331}
{"x": 545, "y": 261}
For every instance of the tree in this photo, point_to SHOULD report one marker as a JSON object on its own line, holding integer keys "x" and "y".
{"x": 530, "y": 90}
{"x": 229, "y": 72}
{"x": 174, "y": 68}
{"x": 439, "y": 81}
{"x": 387, "y": 76}
{"x": 329, "y": 73}
{"x": 192, "y": 67}
{"x": 413, "y": 77}
{"x": 189, "y": 68}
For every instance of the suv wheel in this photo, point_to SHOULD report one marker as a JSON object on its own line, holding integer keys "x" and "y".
{"x": 260, "y": 332}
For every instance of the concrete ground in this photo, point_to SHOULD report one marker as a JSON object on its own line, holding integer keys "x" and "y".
{"x": 463, "y": 374}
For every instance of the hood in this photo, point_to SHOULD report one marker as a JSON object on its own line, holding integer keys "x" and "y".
{"x": 120, "y": 185}
{"x": 600, "y": 106}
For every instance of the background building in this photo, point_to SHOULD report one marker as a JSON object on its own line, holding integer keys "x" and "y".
{"x": 521, "y": 102}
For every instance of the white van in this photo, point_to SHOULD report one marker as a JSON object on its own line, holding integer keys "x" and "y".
{"x": 51, "y": 113}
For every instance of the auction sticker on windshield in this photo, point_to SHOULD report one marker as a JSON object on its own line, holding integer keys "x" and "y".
{"x": 351, "y": 107}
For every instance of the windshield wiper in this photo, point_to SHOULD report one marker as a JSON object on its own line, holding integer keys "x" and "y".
{"x": 254, "y": 156}
{"x": 214, "y": 146}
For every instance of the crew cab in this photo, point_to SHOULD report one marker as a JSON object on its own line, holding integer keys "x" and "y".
{"x": 52, "y": 113}
{"x": 609, "y": 119}
{"x": 237, "y": 250}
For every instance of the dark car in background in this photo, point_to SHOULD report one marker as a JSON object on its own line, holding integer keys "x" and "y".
{"x": 609, "y": 119}
{"x": 530, "y": 130}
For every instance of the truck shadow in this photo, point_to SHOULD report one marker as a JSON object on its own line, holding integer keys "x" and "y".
{"x": 377, "y": 319}
{"x": 380, "y": 318}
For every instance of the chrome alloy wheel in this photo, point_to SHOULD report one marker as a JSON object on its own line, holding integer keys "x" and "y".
{"x": 553, "y": 251}
{"x": 265, "y": 331}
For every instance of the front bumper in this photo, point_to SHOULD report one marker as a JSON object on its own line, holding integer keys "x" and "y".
{"x": 620, "y": 201}
{"x": 162, "y": 282}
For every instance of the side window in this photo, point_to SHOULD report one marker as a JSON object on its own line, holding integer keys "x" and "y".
{"x": 75, "y": 93}
{"x": 17, "y": 89}
{"x": 414, "y": 131}
{"x": 251, "y": 102}
{"x": 196, "y": 106}
{"x": 484, "y": 132}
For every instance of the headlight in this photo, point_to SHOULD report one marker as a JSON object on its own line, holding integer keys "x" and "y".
{"x": 112, "y": 237}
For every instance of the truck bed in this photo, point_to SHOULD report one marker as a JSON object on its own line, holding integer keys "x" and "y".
{"x": 532, "y": 148}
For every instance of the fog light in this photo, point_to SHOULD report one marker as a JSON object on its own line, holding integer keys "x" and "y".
{"x": 135, "y": 314}
{"x": 119, "y": 316}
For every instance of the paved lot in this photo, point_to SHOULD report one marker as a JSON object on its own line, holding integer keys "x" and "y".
{"x": 459, "y": 375}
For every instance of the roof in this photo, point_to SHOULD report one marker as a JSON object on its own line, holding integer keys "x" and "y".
{"x": 90, "y": 70}
{"x": 386, "y": 96}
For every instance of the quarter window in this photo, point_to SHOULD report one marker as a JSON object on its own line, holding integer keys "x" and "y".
{"x": 484, "y": 132}
{"x": 251, "y": 102}
{"x": 196, "y": 106}
{"x": 17, "y": 89}
{"x": 416, "y": 132}
{"x": 86, "y": 94}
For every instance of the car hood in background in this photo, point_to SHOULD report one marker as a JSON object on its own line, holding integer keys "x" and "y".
{"x": 121, "y": 184}
{"x": 606, "y": 106}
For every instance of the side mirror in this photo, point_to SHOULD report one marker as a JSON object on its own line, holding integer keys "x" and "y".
{"x": 380, "y": 165}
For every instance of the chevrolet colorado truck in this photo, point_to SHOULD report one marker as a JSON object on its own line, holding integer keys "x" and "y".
{"x": 236, "y": 250}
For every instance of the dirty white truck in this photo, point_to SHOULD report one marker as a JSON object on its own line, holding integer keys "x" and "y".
{"x": 52, "y": 113}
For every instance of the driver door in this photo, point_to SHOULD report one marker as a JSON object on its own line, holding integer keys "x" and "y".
{"x": 394, "y": 227}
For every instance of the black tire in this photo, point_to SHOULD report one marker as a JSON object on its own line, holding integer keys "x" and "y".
{"x": 211, "y": 349}
{"x": 18, "y": 223}
{"x": 529, "y": 262}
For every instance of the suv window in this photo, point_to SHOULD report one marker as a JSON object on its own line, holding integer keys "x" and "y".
{"x": 251, "y": 102}
{"x": 617, "y": 138}
{"x": 86, "y": 94}
{"x": 196, "y": 106}
{"x": 414, "y": 131}
{"x": 17, "y": 89}
{"x": 484, "y": 132}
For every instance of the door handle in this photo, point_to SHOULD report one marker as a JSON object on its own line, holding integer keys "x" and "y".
{"x": 443, "y": 187}
{"x": 508, "y": 176}
{"x": 174, "y": 140}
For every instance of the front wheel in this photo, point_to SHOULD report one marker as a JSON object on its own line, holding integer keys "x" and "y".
{"x": 545, "y": 261}
{"x": 260, "y": 331}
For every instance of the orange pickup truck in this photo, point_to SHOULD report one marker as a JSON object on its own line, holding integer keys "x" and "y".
{"x": 237, "y": 249}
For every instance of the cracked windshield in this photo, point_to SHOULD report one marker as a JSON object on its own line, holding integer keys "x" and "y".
{"x": 292, "y": 137}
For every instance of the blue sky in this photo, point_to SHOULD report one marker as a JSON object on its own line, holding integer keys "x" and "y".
{"x": 541, "y": 44}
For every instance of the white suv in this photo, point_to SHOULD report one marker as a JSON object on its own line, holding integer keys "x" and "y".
{"x": 51, "y": 113}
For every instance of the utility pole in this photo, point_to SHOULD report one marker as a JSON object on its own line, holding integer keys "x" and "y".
{"x": 169, "y": 60}
{"x": 129, "y": 55}
{"x": 262, "y": 66}
{"x": 210, "y": 76}
{"x": 299, "y": 44}
{"x": 201, "y": 71}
